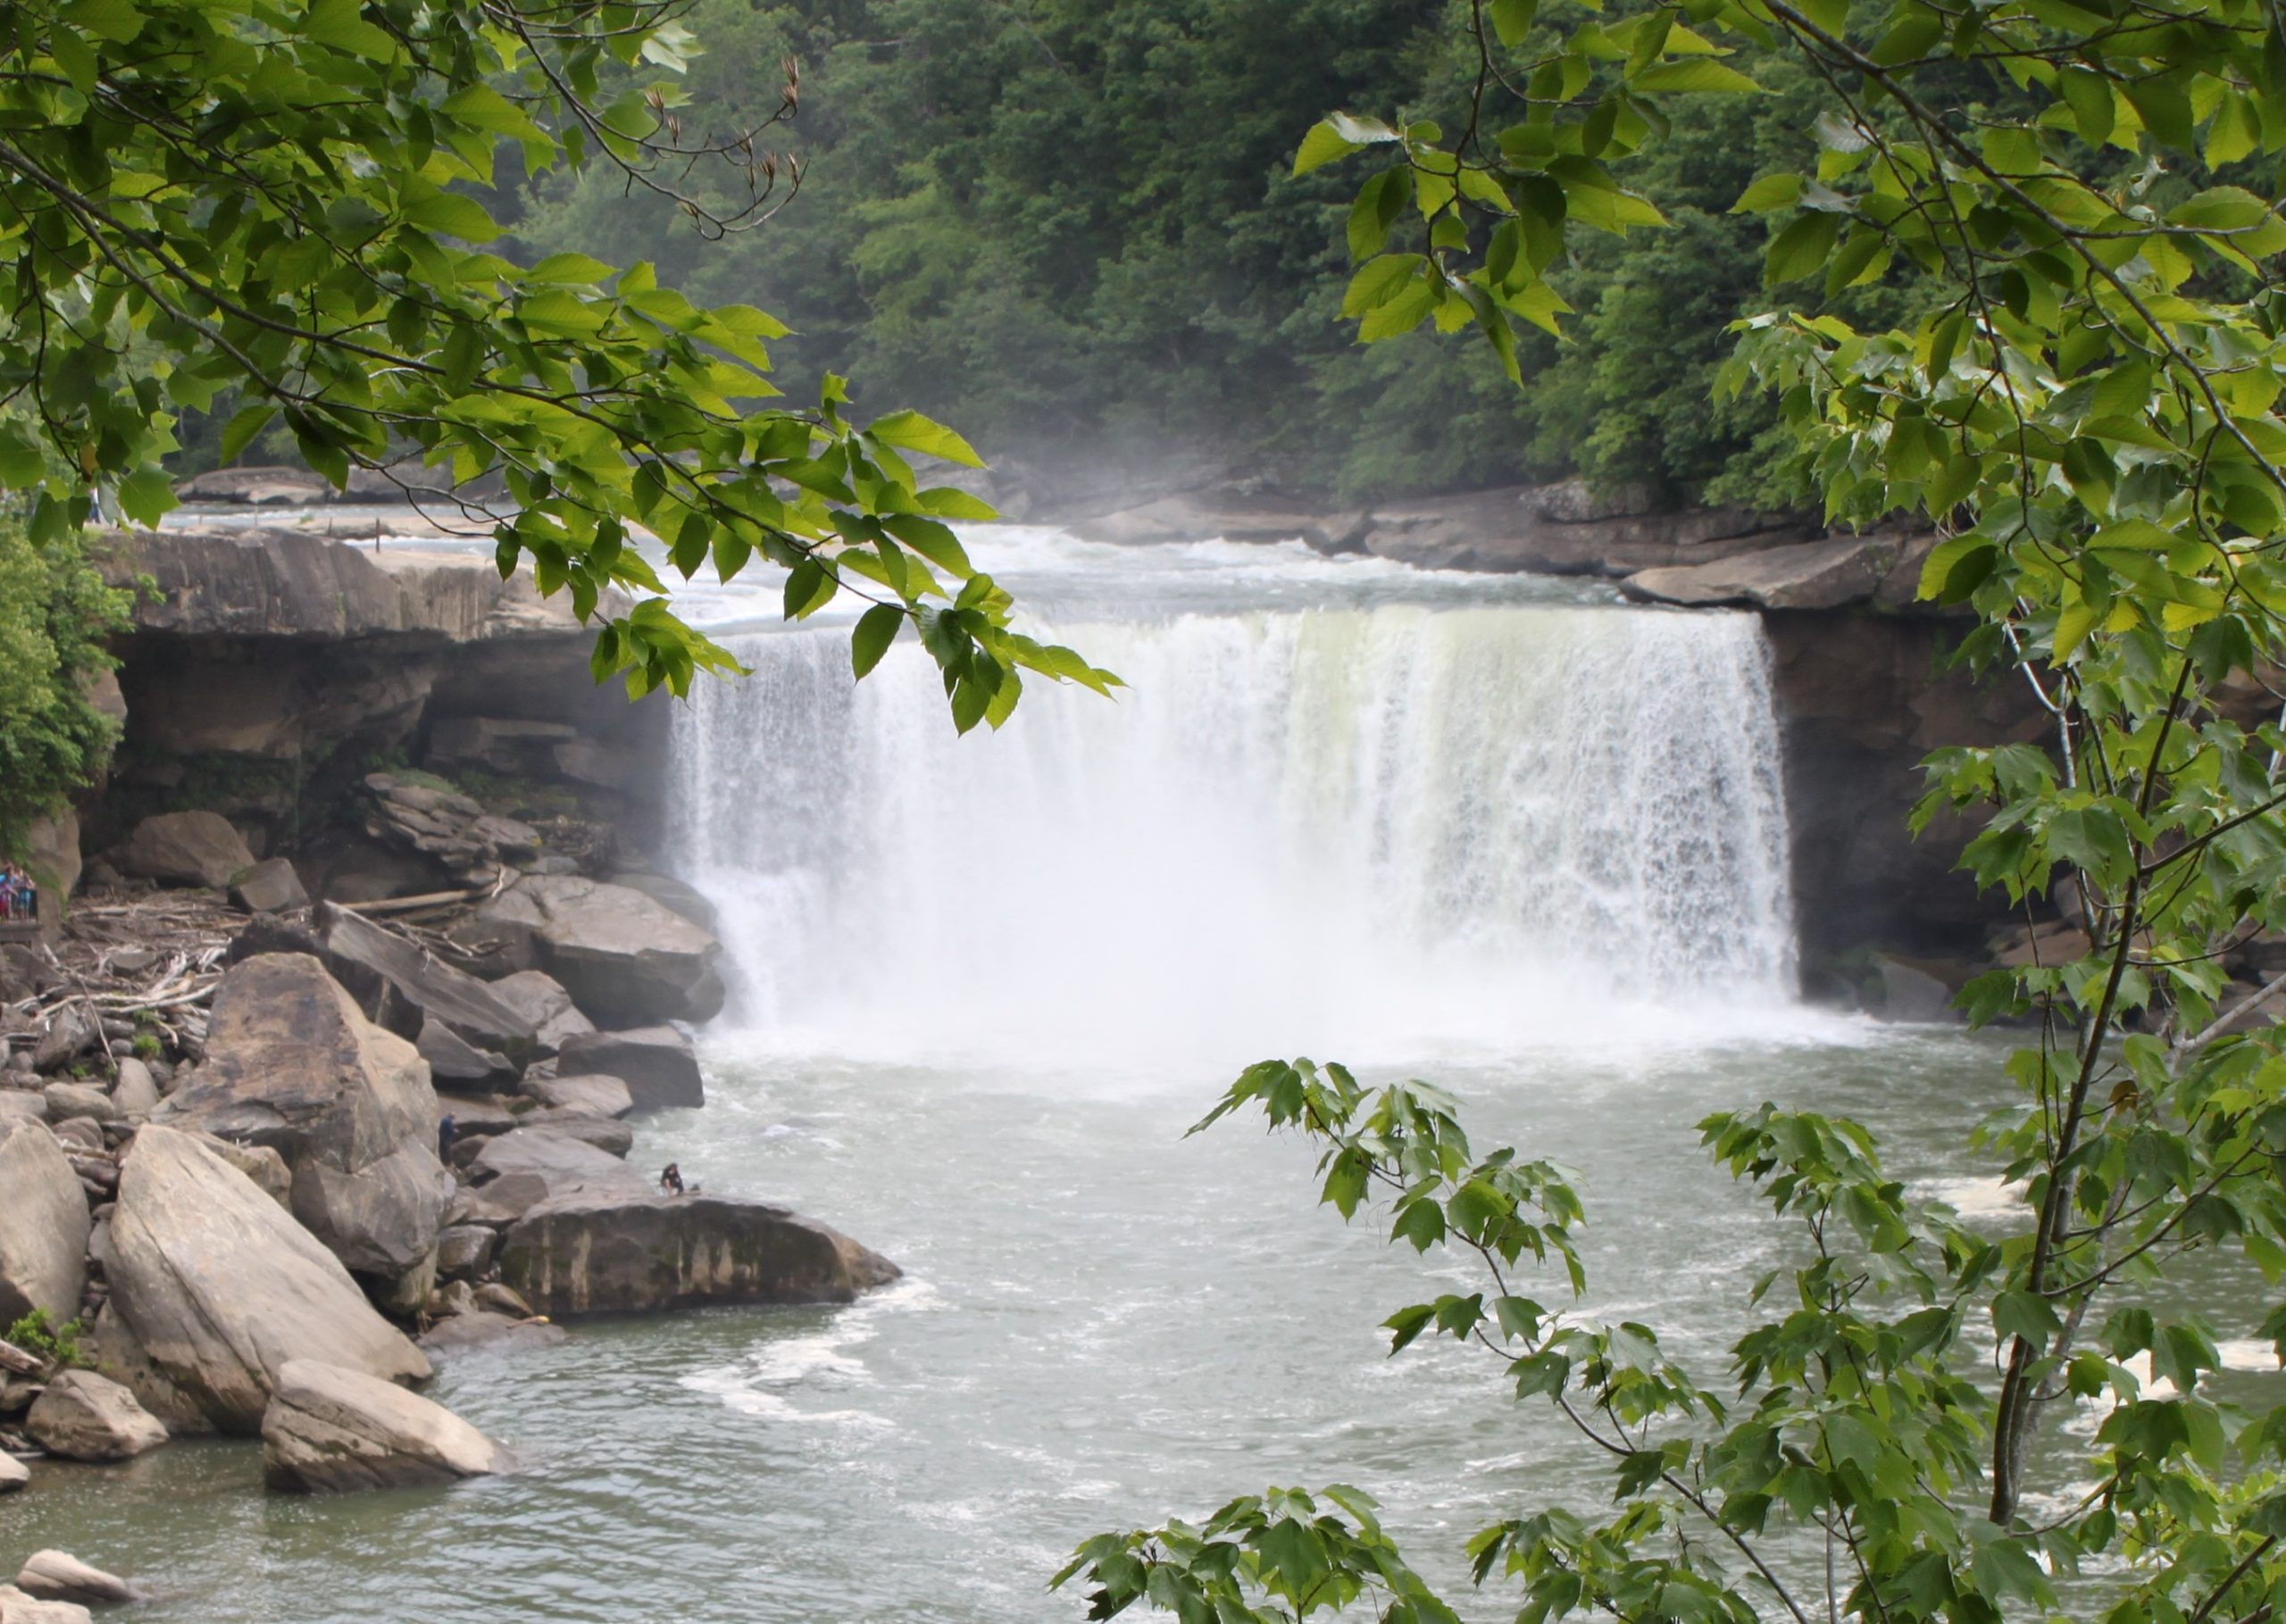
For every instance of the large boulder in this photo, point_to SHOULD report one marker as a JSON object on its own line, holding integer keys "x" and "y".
{"x": 220, "y": 1286}
{"x": 270, "y": 886}
{"x": 602, "y": 1253}
{"x": 13, "y": 1473}
{"x": 383, "y": 967}
{"x": 58, "y": 1576}
{"x": 656, "y": 1064}
{"x": 329, "y": 1429}
{"x": 597, "y": 1096}
{"x": 623, "y": 956}
{"x": 86, "y": 1417}
{"x": 43, "y": 1225}
{"x": 18, "y": 1608}
{"x": 191, "y": 848}
{"x": 291, "y": 1064}
{"x": 541, "y": 999}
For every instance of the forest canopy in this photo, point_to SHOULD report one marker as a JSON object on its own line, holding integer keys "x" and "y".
{"x": 1075, "y": 228}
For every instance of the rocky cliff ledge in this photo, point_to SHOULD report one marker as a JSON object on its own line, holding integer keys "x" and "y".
{"x": 270, "y": 669}
{"x": 1865, "y": 687}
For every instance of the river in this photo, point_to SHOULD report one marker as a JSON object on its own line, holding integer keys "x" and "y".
{"x": 1508, "y": 834}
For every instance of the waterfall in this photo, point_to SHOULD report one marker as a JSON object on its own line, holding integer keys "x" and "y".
{"x": 1379, "y": 832}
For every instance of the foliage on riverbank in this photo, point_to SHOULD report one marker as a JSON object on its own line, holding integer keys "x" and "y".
{"x": 55, "y": 613}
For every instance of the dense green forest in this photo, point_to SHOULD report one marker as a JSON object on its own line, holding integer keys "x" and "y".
{"x": 1071, "y": 230}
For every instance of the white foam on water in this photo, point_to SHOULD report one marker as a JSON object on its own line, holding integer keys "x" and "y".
{"x": 777, "y": 1369}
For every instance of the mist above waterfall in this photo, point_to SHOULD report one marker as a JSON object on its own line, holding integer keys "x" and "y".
{"x": 1381, "y": 829}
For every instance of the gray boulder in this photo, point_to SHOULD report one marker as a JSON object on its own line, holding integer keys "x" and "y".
{"x": 656, "y": 1064}
{"x": 191, "y": 848}
{"x": 383, "y": 968}
{"x": 18, "y": 1608}
{"x": 114, "y": 1350}
{"x": 69, "y": 1100}
{"x": 58, "y": 1576}
{"x": 605, "y": 1134}
{"x": 541, "y": 999}
{"x": 455, "y": 1061}
{"x": 598, "y": 1096}
{"x": 269, "y": 886}
{"x": 329, "y": 1429}
{"x": 292, "y": 1065}
{"x": 685, "y": 899}
{"x": 43, "y": 1225}
{"x": 485, "y": 1329}
{"x": 22, "y": 1106}
{"x": 604, "y": 1254}
{"x": 13, "y": 1473}
{"x": 86, "y": 1417}
{"x": 464, "y": 1250}
{"x": 135, "y": 1093}
{"x": 221, "y": 1288}
{"x": 621, "y": 956}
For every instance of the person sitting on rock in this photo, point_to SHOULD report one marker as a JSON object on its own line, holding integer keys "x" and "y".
{"x": 670, "y": 1180}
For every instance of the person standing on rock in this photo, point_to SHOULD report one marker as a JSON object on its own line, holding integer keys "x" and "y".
{"x": 447, "y": 1131}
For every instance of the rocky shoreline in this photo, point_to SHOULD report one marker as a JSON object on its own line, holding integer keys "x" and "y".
{"x": 266, "y": 1164}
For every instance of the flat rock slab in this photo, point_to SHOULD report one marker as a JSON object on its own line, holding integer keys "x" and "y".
{"x": 516, "y": 1171}
{"x": 1803, "y": 575}
{"x": 328, "y": 1430}
{"x": 599, "y": 1254}
{"x": 621, "y": 954}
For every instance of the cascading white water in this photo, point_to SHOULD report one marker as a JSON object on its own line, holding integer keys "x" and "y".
{"x": 1394, "y": 832}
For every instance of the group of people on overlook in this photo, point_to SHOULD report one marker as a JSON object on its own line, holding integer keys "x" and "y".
{"x": 19, "y": 898}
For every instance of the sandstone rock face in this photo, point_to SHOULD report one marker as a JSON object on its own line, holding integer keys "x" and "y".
{"x": 589, "y": 1253}
{"x": 656, "y": 1064}
{"x": 544, "y": 1003}
{"x": 43, "y": 1225}
{"x": 292, "y": 1065}
{"x": 190, "y": 848}
{"x": 221, "y": 1288}
{"x": 464, "y": 1250}
{"x": 621, "y": 956}
{"x": 58, "y": 1576}
{"x": 497, "y": 744}
{"x": 455, "y": 1062}
{"x": 329, "y": 1429}
{"x": 269, "y": 886}
{"x": 86, "y": 1417}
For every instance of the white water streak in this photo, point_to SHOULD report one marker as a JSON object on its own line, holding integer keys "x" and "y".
{"x": 1386, "y": 832}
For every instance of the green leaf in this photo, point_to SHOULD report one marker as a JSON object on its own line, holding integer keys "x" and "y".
{"x": 146, "y": 496}
{"x": 1697, "y": 75}
{"x": 914, "y": 432}
{"x": 1800, "y": 250}
{"x": 1780, "y": 190}
{"x": 1321, "y": 146}
{"x": 877, "y": 628}
{"x": 1511, "y": 20}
